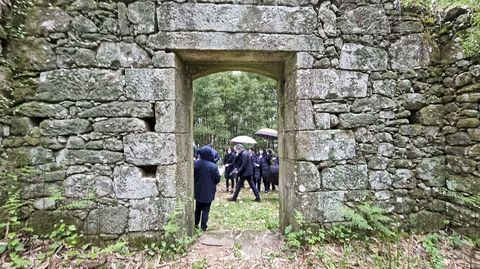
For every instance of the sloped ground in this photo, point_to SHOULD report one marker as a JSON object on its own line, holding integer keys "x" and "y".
{"x": 245, "y": 234}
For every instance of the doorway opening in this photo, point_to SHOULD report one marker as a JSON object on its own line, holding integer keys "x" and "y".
{"x": 231, "y": 104}
{"x": 191, "y": 65}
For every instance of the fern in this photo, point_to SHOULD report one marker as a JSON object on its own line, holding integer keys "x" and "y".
{"x": 369, "y": 218}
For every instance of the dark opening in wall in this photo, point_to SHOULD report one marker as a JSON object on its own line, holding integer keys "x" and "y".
{"x": 149, "y": 170}
{"x": 36, "y": 120}
{"x": 150, "y": 124}
{"x": 413, "y": 118}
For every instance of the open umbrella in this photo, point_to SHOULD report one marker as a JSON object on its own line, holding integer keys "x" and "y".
{"x": 244, "y": 140}
{"x": 267, "y": 133}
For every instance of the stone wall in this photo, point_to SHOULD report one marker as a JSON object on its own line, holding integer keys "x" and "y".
{"x": 373, "y": 105}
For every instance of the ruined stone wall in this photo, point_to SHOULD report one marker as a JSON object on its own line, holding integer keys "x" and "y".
{"x": 372, "y": 106}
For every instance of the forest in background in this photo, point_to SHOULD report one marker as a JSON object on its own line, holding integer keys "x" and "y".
{"x": 230, "y": 104}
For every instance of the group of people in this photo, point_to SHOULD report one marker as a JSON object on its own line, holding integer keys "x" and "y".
{"x": 240, "y": 166}
{"x": 261, "y": 164}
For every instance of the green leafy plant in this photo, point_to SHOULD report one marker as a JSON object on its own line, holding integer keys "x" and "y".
{"x": 201, "y": 264}
{"x": 369, "y": 218}
{"x": 303, "y": 236}
{"x": 430, "y": 245}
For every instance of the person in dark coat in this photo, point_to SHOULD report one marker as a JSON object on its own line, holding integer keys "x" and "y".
{"x": 216, "y": 157}
{"x": 244, "y": 171}
{"x": 265, "y": 163}
{"x": 228, "y": 161}
{"x": 206, "y": 178}
{"x": 258, "y": 165}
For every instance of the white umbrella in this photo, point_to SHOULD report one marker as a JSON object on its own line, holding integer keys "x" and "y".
{"x": 244, "y": 140}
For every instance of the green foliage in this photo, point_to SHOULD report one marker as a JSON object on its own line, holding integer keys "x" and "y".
{"x": 173, "y": 241}
{"x": 470, "y": 37}
{"x": 246, "y": 214}
{"x": 230, "y": 104}
{"x": 201, "y": 264}
{"x": 304, "y": 236}
{"x": 430, "y": 246}
{"x": 369, "y": 218}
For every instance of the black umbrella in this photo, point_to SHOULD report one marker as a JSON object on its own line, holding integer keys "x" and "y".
{"x": 267, "y": 133}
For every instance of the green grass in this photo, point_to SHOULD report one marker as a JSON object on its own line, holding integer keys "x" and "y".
{"x": 245, "y": 214}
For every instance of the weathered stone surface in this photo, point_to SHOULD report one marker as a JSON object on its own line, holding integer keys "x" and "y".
{"x": 432, "y": 171}
{"x": 166, "y": 180}
{"x": 42, "y": 110}
{"x": 44, "y": 204}
{"x": 122, "y": 55}
{"x": 463, "y": 183}
{"x": 410, "y": 51}
{"x": 236, "y": 18}
{"x": 459, "y": 138}
{"x": 74, "y": 157}
{"x": 364, "y": 20}
{"x": 119, "y": 109}
{"x": 350, "y": 120}
{"x": 142, "y": 16}
{"x": 163, "y": 59}
{"x": 84, "y": 25}
{"x": 150, "y": 84}
{"x": 325, "y": 145}
{"x": 328, "y": 19}
{"x": 304, "y": 115}
{"x": 150, "y": 149}
{"x": 473, "y": 97}
{"x": 47, "y": 20}
{"x": 379, "y": 180}
{"x": 323, "y": 121}
{"x": 80, "y": 84}
{"x": 427, "y": 221}
{"x": 85, "y": 57}
{"x": 244, "y": 41}
{"x": 331, "y": 107}
{"x": 359, "y": 57}
{"x": 373, "y": 103}
{"x": 474, "y": 134}
{"x": 129, "y": 183}
{"x": 431, "y": 115}
{"x": 65, "y": 127}
{"x": 413, "y": 101}
{"x": 120, "y": 125}
{"x": 30, "y": 155}
{"x": 150, "y": 214}
{"x": 165, "y": 117}
{"x": 329, "y": 83}
{"x": 21, "y": 126}
{"x": 108, "y": 220}
{"x": 322, "y": 206}
{"x": 31, "y": 53}
{"x": 83, "y": 186}
{"x": 404, "y": 179}
{"x": 345, "y": 177}
{"x": 384, "y": 87}
{"x": 468, "y": 123}
{"x": 308, "y": 177}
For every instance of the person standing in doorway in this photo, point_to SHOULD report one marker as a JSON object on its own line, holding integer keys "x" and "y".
{"x": 206, "y": 178}
{"x": 244, "y": 171}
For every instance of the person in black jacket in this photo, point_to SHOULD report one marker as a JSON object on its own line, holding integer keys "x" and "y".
{"x": 257, "y": 173}
{"x": 244, "y": 171}
{"x": 228, "y": 161}
{"x": 206, "y": 178}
